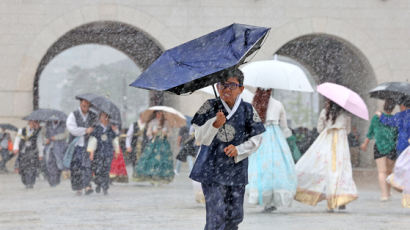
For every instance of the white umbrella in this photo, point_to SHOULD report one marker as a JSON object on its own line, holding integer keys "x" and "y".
{"x": 174, "y": 118}
{"x": 246, "y": 94}
{"x": 276, "y": 74}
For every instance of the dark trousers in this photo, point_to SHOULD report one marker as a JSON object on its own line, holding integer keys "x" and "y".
{"x": 28, "y": 176}
{"x": 80, "y": 169}
{"x": 102, "y": 165}
{"x": 224, "y": 206}
{"x": 5, "y": 156}
{"x": 54, "y": 173}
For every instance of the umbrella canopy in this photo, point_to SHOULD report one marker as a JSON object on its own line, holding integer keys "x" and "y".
{"x": 175, "y": 118}
{"x": 246, "y": 94}
{"x": 200, "y": 62}
{"x": 86, "y": 96}
{"x": 46, "y": 115}
{"x": 345, "y": 97}
{"x": 393, "y": 90}
{"x": 105, "y": 105}
{"x": 9, "y": 127}
{"x": 276, "y": 75}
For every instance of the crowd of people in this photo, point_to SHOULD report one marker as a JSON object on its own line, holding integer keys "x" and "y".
{"x": 238, "y": 147}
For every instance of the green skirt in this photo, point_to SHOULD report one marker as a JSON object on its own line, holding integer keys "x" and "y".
{"x": 156, "y": 162}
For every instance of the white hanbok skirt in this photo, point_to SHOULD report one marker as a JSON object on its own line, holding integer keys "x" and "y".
{"x": 325, "y": 173}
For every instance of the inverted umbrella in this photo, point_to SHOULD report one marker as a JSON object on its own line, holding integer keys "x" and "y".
{"x": 9, "y": 127}
{"x": 345, "y": 97}
{"x": 46, "y": 115}
{"x": 276, "y": 74}
{"x": 200, "y": 62}
{"x": 393, "y": 90}
{"x": 174, "y": 118}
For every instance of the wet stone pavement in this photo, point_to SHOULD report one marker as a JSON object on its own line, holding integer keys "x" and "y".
{"x": 172, "y": 207}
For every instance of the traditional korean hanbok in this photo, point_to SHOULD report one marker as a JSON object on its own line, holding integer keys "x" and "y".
{"x": 55, "y": 150}
{"x": 324, "y": 172}
{"x": 118, "y": 172}
{"x": 156, "y": 162}
{"x": 29, "y": 144}
{"x": 272, "y": 177}
{"x": 400, "y": 179}
{"x": 224, "y": 178}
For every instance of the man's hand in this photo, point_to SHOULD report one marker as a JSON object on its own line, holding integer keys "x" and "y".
{"x": 47, "y": 141}
{"x": 363, "y": 147}
{"x": 40, "y": 158}
{"x": 89, "y": 130}
{"x": 114, "y": 128}
{"x": 231, "y": 151}
{"x": 129, "y": 149}
{"x": 220, "y": 120}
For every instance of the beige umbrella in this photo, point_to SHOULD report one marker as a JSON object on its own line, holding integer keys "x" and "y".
{"x": 174, "y": 118}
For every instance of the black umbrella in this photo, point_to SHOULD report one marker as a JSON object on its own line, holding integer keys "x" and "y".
{"x": 46, "y": 115}
{"x": 393, "y": 90}
{"x": 9, "y": 127}
{"x": 105, "y": 105}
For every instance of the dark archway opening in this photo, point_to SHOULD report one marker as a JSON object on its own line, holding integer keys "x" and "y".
{"x": 137, "y": 45}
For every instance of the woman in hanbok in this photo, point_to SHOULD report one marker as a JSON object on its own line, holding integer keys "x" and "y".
{"x": 118, "y": 172}
{"x": 271, "y": 170}
{"x": 400, "y": 179}
{"x": 325, "y": 172}
{"x": 156, "y": 163}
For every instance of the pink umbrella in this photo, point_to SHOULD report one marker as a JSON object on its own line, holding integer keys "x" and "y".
{"x": 345, "y": 97}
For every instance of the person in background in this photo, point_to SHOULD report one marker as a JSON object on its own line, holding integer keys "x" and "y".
{"x": 156, "y": 162}
{"x": 384, "y": 148}
{"x": 80, "y": 124}
{"x": 4, "y": 149}
{"x": 325, "y": 172}
{"x": 187, "y": 149}
{"x": 103, "y": 143}
{"x": 135, "y": 142}
{"x": 29, "y": 147}
{"x": 401, "y": 121}
{"x": 354, "y": 144}
{"x": 55, "y": 147}
{"x": 271, "y": 170}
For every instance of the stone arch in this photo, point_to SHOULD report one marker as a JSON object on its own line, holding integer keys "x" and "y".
{"x": 48, "y": 43}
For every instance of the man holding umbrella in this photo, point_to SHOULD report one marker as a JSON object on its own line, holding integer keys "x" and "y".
{"x": 229, "y": 130}
{"x": 80, "y": 124}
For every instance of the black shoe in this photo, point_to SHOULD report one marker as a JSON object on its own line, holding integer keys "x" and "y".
{"x": 105, "y": 192}
{"x": 269, "y": 209}
{"x": 89, "y": 191}
{"x": 342, "y": 207}
{"x": 98, "y": 189}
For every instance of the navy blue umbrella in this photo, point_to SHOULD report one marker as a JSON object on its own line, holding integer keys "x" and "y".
{"x": 200, "y": 62}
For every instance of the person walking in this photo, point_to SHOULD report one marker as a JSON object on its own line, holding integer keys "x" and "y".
{"x": 324, "y": 172}
{"x": 384, "y": 148}
{"x": 4, "y": 149}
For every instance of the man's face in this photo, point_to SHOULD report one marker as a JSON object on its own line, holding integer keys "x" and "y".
{"x": 229, "y": 90}
{"x": 85, "y": 106}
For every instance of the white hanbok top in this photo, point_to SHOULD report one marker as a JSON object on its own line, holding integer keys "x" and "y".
{"x": 342, "y": 122}
{"x": 276, "y": 115}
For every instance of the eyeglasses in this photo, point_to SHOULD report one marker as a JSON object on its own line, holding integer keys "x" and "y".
{"x": 230, "y": 85}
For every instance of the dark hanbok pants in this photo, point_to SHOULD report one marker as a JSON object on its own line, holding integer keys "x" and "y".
{"x": 54, "y": 173}
{"x": 28, "y": 166}
{"x": 102, "y": 166}
{"x": 80, "y": 169}
{"x": 224, "y": 206}
{"x": 5, "y": 156}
